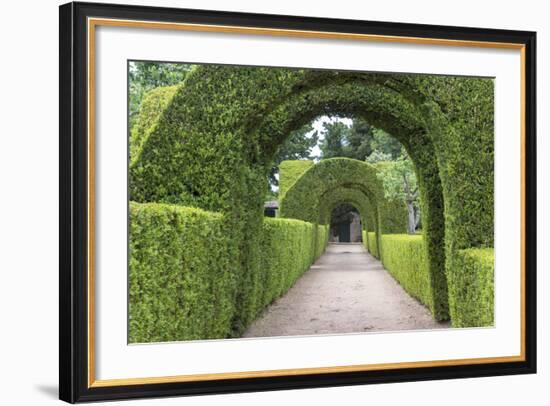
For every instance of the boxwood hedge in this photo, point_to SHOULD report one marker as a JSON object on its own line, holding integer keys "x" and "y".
{"x": 404, "y": 256}
{"x": 316, "y": 186}
{"x": 290, "y": 247}
{"x": 340, "y": 195}
{"x": 372, "y": 244}
{"x": 181, "y": 280}
{"x": 289, "y": 172}
{"x": 471, "y": 288}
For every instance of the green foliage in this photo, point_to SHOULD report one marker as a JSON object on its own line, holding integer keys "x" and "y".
{"x": 304, "y": 200}
{"x": 335, "y": 138}
{"x": 182, "y": 279}
{"x": 289, "y": 248}
{"x": 358, "y": 141}
{"x": 289, "y": 172}
{"x": 404, "y": 256}
{"x": 181, "y": 284}
{"x": 462, "y": 113}
{"x": 372, "y": 244}
{"x": 471, "y": 288}
{"x": 298, "y": 145}
{"x": 384, "y": 143}
{"x": 364, "y": 239}
{"x": 321, "y": 240}
{"x": 145, "y": 76}
{"x": 399, "y": 182}
{"x": 152, "y": 106}
{"x": 349, "y": 195}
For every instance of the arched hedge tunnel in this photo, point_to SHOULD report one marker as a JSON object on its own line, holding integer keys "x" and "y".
{"x": 208, "y": 144}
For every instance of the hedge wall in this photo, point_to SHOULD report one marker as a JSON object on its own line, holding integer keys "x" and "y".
{"x": 181, "y": 271}
{"x": 400, "y": 112}
{"x": 372, "y": 244}
{"x": 305, "y": 198}
{"x": 321, "y": 240}
{"x": 289, "y": 248}
{"x": 181, "y": 282}
{"x": 404, "y": 256}
{"x": 471, "y": 288}
{"x": 340, "y": 195}
{"x": 153, "y": 104}
{"x": 289, "y": 172}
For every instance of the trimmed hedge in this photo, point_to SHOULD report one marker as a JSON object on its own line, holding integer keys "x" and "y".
{"x": 401, "y": 113}
{"x": 404, "y": 256}
{"x": 304, "y": 200}
{"x": 471, "y": 288}
{"x": 321, "y": 240}
{"x": 289, "y": 248}
{"x": 372, "y": 244}
{"x": 337, "y": 196}
{"x": 182, "y": 279}
{"x": 289, "y": 172}
{"x": 154, "y": 103}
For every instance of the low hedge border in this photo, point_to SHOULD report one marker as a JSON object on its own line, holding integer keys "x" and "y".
{"x": 182, "y": 267}
{"x": 404, "y": 256}
{"x": 372, "y": 244}
{"x": 289, "y": 248}
{"x": 364, "y": 239}
{"x": 180, "y": 274}
{"x": 471, "y": 288}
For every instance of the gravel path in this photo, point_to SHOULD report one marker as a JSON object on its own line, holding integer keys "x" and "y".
{"x": 346, "y": 291}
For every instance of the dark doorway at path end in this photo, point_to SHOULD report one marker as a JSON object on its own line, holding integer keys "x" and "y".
{"x": 345, "y": 224}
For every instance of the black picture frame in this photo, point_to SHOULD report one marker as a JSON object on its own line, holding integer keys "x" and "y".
{"x": 73, "y": 255}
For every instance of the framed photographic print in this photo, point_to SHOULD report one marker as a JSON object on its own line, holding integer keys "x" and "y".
{"x": 257, "y": 202}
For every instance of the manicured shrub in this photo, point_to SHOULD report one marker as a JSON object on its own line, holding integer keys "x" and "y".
{"x": 306, "y": 198}
{"x": 321, "y": 240}
{"x": 471, "y": 288}
{"x": 181, "y": 277}
{"x": 154, "y": 103}
{"x": 289, "y": 248}
{"x": 404, "y": 256}
{"x": 359, "y": 200}
{"x": 289, "y": 172}
{"x": 372, "y": 244}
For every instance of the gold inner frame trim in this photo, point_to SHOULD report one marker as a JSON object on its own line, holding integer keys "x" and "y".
{"x": 94, "y": 22}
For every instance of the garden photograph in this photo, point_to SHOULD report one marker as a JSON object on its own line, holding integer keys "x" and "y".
{"x": 273, "y": 202}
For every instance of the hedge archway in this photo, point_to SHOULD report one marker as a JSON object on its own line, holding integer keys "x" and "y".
{"x": 304, "y": 200}
{"x": 386, "y": 109}
{"x": 341, "y": 195}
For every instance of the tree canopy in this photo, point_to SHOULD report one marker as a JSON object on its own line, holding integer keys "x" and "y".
{"x": 144, "y": 76}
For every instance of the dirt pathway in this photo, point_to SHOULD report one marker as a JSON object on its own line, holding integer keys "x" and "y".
{"x": 346, "y": 291}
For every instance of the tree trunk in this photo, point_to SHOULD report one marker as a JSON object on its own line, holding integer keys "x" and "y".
{"x": 411, "y": 225}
